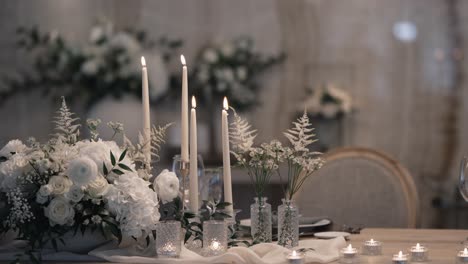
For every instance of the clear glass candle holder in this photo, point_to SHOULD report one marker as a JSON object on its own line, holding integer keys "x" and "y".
{"x": 295, "y": 257}
{"x": 372, "y": 248}
{"x": 349, "y": 255}
{"x": 214, "y": 237}
{"x": 400, "y": 258}
{"x": 462, "y": 256}
{"x": 168, "y": 239}
{"x": 419, "y": 253}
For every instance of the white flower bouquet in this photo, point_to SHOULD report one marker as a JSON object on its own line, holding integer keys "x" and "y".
{"x": 72, "y": 185}
{"x": 327, "y": 101}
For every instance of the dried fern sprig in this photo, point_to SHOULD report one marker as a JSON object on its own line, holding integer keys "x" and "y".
{"x": 65, "y": 125}
{"x": 301, "y": 135}
{"x": 241, "y": 134}
{"x": 158, "y": 135}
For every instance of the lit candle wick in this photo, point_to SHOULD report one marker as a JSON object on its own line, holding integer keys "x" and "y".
{"x": 350, "y": 247}
{"x": 372, "y": 240}
{"x": 182, "y": 60}
{"x": 465, "y": 251}
{"x": 400, "y": 254}
{"x": 294, "y": 253}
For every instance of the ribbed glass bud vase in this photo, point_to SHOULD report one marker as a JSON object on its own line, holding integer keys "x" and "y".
{"x": 260, "y": 217}
{"x": 288, "y": 224}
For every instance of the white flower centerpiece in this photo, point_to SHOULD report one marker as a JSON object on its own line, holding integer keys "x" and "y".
{"x": 328, "y": 101}
{"x": 74, "y": 186}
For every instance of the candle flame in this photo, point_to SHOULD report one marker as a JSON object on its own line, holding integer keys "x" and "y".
{"x": 350, "y": 247}
{"x": 143, "y": 61}
{"x": 372, "y": 240}
{"x": 225, "y": 104}
{"x": 418, "y": 246}
{"x": 182, "y": 59}
{"x": 194, "y": 102}
{"x": 400, "y": 254}
{"x": 465, "y": 251}
{"x": 294, "y": 253}
{"x": 215, "y": 245}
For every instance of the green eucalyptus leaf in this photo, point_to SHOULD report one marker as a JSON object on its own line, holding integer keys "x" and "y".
{"x": 122, "y": 156}
{"x": 112, "y": 159}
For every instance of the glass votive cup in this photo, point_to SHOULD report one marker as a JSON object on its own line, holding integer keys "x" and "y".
{"x": 349, "y": 255}
{"x": 372, "y": 248}
{"x": 419, "y": 253}
{"x": 462, "y": 256}
{"x": 400, "y": 258}
{"x": 214, "y": 237}
{"x": 168, "y": 239}
{"x": 295, "y": 257}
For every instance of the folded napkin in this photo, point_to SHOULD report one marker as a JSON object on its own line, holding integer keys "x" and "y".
{"x": 268, "y": 253}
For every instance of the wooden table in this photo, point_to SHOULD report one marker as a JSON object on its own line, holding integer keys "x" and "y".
{"x": 443, "y": 244}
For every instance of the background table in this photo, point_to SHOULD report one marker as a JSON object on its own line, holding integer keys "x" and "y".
{"x": 443, "y": 244}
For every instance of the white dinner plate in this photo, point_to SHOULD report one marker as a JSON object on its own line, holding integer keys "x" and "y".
{"x": 332, "y": 234}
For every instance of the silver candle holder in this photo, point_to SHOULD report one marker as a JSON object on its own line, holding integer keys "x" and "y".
{"x": 349, "y": 255}
{"x": 400, "y": 258}
{"x": 295, "y": 257}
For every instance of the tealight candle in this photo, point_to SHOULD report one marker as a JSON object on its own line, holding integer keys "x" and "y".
{"x": 372, "y": 248}
{"x": 295, "y": 257}
{"x": 349, "y": 255}
{"x": 462, "y": 256}
{"x": 400, "y": 258}
{"x": 418, "y": 253}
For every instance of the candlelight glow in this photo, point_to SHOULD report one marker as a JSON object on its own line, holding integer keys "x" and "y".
{"x": 215, "y": 245}
{"x": 194, "y": 102}
{"x": 182, "y": 59}
{"x": 294, "y": 253}
{"x": 143, "y": 61}
{"x": 372, "y": 240}
{"x": 350, "y": 247}
{"x": 400, "y": 254}
{"x": 465, "y": 251}
{"x": 225, "y": 104}
{"x": 418, "y": 246}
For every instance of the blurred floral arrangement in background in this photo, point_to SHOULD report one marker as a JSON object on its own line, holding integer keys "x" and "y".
{"x": 230, "y": 69}
{"x": 108, "y": 63}
{"x": 327, "y": 101}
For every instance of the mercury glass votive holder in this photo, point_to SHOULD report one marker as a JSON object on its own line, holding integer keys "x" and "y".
{"x": 214, "y": 237}
{"x": 168, "y": 239}
{"x": 372, "y": 248}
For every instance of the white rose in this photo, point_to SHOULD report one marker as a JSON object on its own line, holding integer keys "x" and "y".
{"x": 13, "y": 147}
{"x": 210, "y": 56}
{"x": 75, "y": 194}
{"x": 41, "y": 199}
{"x": 59, "y": 212}
{"x": 59, "y": 184}
{"x": 45, "y": 190}
{"x": 98, "y": 187}
{"x": 167, "y": 185}
{"x": 82, "y": 170}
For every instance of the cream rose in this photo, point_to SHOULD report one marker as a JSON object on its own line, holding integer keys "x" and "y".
{"x": 75, "y": 194}
{"x": 167, "y": 185}
{"x": 59, "y": 212}
{"x": 98, "y": 187}
{"x": 45, "y": 190}
{"x": 82, "y": 170}
{"x": 59, "y": 184}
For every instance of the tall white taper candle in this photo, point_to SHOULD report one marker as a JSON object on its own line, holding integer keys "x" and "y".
{"x": 146, "y": 113}
{"x": 226, "y": 157}
{"x": 193, "y": 158}
{"x": 184, "y": 119}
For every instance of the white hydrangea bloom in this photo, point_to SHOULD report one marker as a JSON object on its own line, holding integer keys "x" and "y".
{"x": 167, "y": 185}
{"x": 134, "y": 204}
{"x": 13, "y": 147}
{"x": 12, "y": 170}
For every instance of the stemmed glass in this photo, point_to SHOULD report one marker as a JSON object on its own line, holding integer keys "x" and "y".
{"x": 184, "y": 188}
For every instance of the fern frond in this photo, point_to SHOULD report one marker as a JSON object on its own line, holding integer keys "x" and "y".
{"x": 158, "y": 135}
{"x": 241, "y": 134}
{"x": 65, "y": 125}
{"x": 301, "y": 135}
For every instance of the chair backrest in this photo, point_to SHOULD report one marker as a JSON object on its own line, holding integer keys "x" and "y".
{"x": 361, "y": 187}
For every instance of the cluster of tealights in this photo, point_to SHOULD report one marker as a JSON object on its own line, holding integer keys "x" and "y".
{"x": 417, "y": 253}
